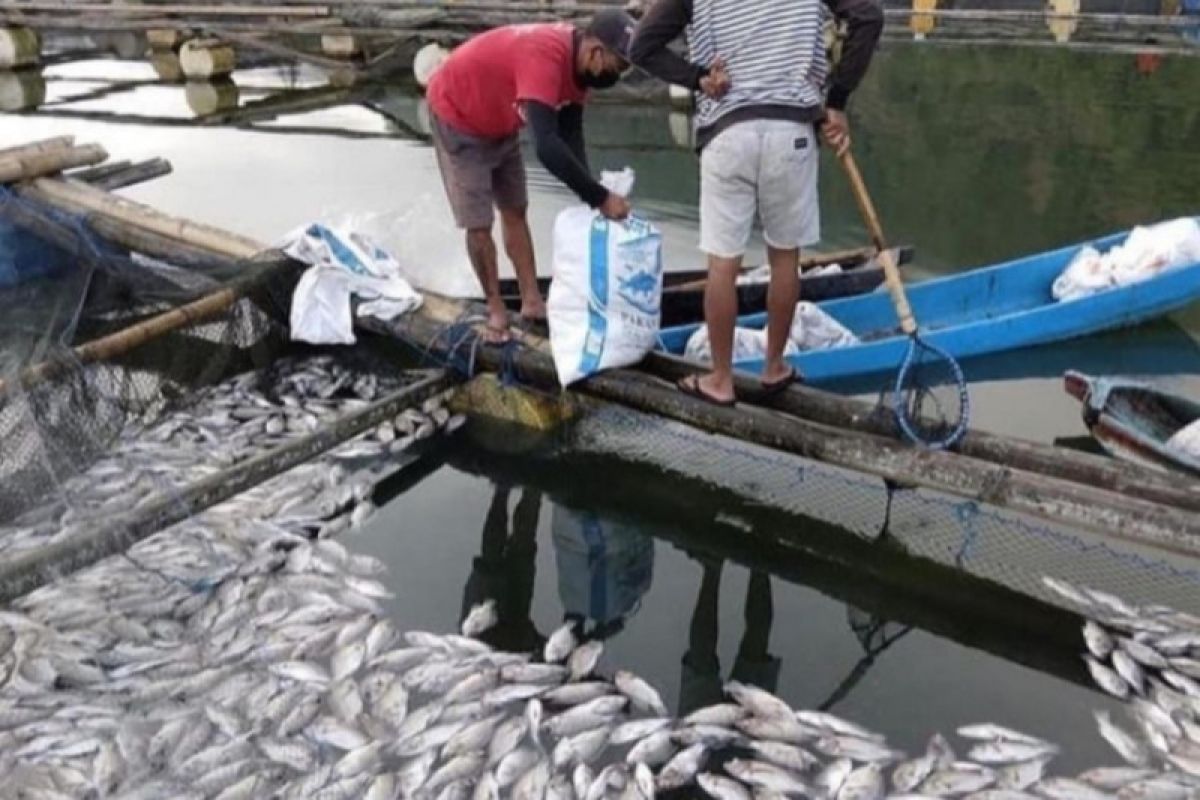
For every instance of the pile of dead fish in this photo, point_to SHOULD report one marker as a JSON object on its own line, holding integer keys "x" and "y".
{"x": 246, "y": 653}
{"x": 223, "y": 425}
{"x": 1148, "y": 657}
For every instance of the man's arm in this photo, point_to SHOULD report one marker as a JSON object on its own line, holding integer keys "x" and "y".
{"x": 865, "y": 24}
{"x": 560, "y": 157}
{"x": 663, "y": 23}
{"x": 570, "y": 128}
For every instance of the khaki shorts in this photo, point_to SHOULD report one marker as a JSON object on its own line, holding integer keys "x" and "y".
{"x": 765, "y": 169}
{"x": 479, "y": 174}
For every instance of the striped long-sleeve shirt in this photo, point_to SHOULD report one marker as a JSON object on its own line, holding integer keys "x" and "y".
{"x": 774, "y": 51}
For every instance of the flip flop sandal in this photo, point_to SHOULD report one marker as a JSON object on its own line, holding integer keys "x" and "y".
{"x": 772, "y": 388}
{"x": 690, "y": 385}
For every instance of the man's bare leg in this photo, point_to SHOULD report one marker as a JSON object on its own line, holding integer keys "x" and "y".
{"x": 518, "y": 244}
{"x": 720, "y": 314}
{"x": 482, "y": 252}
{"x": 782, "y": 296}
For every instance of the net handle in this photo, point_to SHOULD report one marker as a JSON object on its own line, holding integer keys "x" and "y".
{"x": 891, "y": 272}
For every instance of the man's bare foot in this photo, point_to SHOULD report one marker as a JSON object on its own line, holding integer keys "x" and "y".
{"x": 497, "y": 331}
{"x": 534, "y": 309}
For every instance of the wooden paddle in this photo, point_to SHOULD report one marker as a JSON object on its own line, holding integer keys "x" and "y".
{"x": 891, "y": 271}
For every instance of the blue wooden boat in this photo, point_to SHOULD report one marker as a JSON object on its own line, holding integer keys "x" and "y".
{"x": 986, "y": 310}
{"x": 1134, "y": 421}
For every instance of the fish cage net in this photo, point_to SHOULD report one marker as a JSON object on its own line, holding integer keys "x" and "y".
{"x": 1005, "y": 548}
{"x": 62, "y": 286}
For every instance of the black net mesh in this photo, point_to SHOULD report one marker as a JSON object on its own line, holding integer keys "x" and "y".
{"x": 62, "y": 287}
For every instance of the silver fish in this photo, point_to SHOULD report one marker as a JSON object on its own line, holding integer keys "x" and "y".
{"x": 1069, "y": 789}
{"x": 1022, "y": 775}
{"x": 583, "y": 659}
{"x": 1113, "y": 778}
{"x": 560, "y": 644}
{"x": 1107, "y": 680}
{"x": 767, "y": 776}
{"x": 655, "y": 749}
{"x": 864, "y": 783}
{"x": 759, "y": 702}
{"x": 1098, "y": 640}
{"x": 481, "y": 618}
{"x": 682, "y": 768}
{"x": 641, "y": 694}
{"x": 722, "y": 788}
{"x": 1129, "y": 670}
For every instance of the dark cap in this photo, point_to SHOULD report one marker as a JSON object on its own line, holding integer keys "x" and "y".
{"x": 614, "y": 29}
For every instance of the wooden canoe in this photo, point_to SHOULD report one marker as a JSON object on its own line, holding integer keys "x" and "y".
{"x": 683, "y": 292}
{"x": 1133, "y": 420}
{"x": 987, "y": 310}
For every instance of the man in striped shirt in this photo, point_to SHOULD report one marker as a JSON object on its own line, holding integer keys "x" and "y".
{"x": 760, "y": 71}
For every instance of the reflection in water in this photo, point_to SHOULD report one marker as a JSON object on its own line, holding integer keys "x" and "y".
{"x": 211, "y": 96}
{"x": 604, "y": 569}
{"x": 504, "y": 571}
{"x": 700, "y": 682}
{"x": 22, "y": 89}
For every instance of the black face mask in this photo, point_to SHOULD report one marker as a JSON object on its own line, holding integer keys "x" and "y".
{"x": 605, "y": 80}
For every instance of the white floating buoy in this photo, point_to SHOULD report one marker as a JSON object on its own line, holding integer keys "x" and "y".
{"x": 19, "y": 47}
{"x": 340, "y": 45}
{"x": 681, "y": 97}
{"x": 22, "y": 89}
{"x": 210, "y": 97}
{"x": 427, "y": 61}
{"x": 204, "y": 59}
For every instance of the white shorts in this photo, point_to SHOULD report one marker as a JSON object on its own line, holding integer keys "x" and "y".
{"x": 765, "y": 168}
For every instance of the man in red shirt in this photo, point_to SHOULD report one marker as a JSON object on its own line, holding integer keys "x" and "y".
{"x": 537, "y": 75}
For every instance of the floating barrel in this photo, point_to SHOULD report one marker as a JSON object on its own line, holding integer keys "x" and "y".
{"x": 340, "y": 45}
{"x": 166, "y": 66}
{"x": 19, "y": 47}
{"x": 22, "y": 89}
{"x": 210, "y": 97}
{"x": 426, "y": 62}
{"x": 205, "y": 59}
{"x": 164, "y": 38}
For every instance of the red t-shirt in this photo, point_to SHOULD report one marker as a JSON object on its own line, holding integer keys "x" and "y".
{"x": 477, "y": 89}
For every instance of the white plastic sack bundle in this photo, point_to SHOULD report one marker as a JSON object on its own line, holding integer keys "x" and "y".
{"x": 813, "y": 329}
{"x": 1186, "y": 440}
{"x": 344, "y": 263}
{"x": 748, "y": 344}
{"x": 1146, "y": 252}
{"x": 606, "y": 293}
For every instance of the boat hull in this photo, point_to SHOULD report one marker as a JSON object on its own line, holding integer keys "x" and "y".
{"x": 987, "y": 310}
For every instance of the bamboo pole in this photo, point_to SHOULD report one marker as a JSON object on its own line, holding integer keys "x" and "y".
{"x": 199, "y": 10}
{"x": 50, "y": 162}
{"x": 829, "y": 409}
{"x": 127, "y": 339}
{"x": 120, "y": 209}
{"x": 133, "y": 174}
{"x": 43, "y": 146}
{"x": 1050, "y": 498}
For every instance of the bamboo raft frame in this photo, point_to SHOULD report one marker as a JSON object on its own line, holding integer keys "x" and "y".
{"x": 1080, "y": 489}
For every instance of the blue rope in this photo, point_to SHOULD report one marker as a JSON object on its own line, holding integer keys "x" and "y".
{"x": 900, "y": 408}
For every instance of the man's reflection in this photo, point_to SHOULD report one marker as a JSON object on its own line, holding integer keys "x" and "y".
{"x": 605, "y": 566}
{"x": 700, "y": 683}
{"x": 505, "y": 570}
